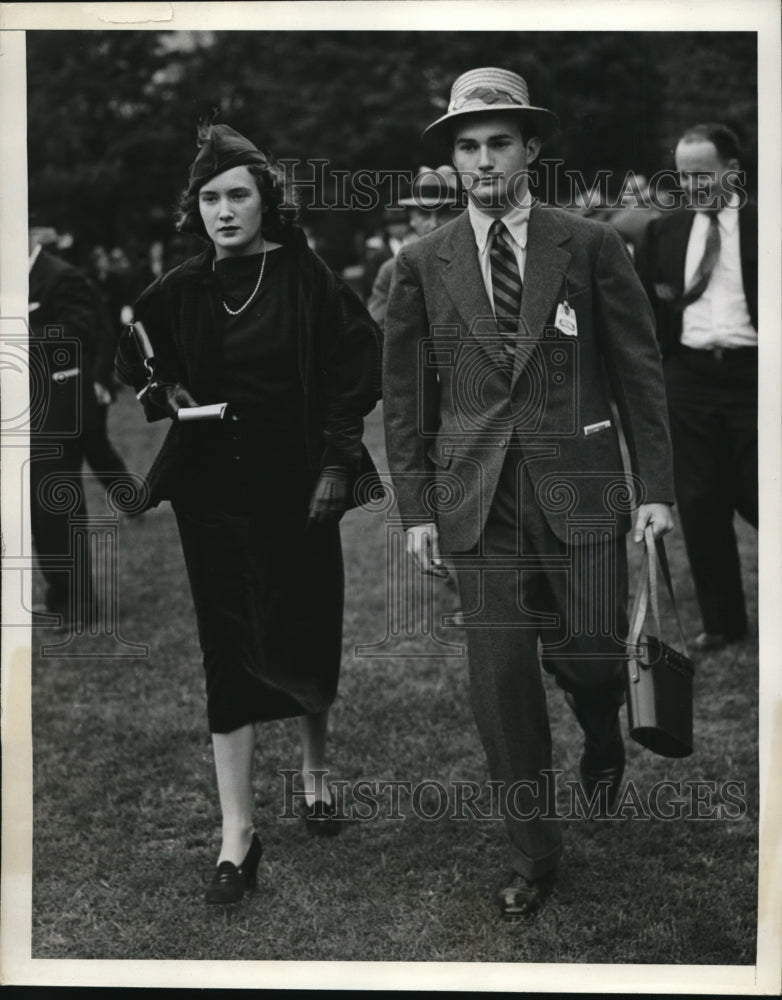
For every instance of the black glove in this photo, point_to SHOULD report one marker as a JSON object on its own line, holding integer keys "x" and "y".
{"x": 330, "y": 496}
{"x": 169, "y": 397}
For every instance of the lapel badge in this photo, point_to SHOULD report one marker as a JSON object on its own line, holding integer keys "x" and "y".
{"x": 565, "y": 320}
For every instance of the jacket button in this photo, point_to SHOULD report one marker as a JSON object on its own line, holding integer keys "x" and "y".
{"x": 502, "y": 443}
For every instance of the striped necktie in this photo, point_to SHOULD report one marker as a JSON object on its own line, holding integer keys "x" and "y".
{"x": 505, "y": 284}
{"x": 703, "y": 272}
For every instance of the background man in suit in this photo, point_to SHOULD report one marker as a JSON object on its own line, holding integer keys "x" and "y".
{"x": 700, "y": 268}
{"x": 434, "y": 200}
{"x": 504, "y": 453}
{"x": 63, "y": 325}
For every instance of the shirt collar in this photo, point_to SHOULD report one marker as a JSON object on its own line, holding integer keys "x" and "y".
{"x": 515, "y": 220}
{"x": 34, "y": 256}
{"x": 727, "y": 217}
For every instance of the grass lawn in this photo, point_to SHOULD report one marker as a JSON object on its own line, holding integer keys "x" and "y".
{"x": 127, "y": 823}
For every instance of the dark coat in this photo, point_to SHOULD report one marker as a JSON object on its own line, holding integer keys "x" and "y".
{"x": 661, "y": 267}
{"x": 447, "y": 430}
{"x": 339, "y": 358}
{"x": 64, "y": 332}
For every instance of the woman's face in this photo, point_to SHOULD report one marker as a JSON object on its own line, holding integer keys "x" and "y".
{"x": 232, "y": 212}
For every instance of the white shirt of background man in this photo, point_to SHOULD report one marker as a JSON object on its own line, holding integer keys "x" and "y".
{"x": 719, "y": 318}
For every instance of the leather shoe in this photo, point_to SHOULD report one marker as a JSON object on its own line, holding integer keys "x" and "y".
{"x": 525, "y": 896}
{"x": 603, "y": 774}
{"x": 602, "y": 764}
{"x": 712, "y": 642}
{"x": 230, "y": 883}
{"x": 320, "y": 819}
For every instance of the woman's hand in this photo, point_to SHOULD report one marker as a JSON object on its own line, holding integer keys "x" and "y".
{"x": 171, "y": 397}
{"x": 330, "y": 496}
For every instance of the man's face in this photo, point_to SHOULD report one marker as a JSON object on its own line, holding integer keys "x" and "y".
{"x": 703, "y": 175}
{"x": 493, "y": 158}
{"x": 232, "y": 212}
{"x": 422, "y": 222}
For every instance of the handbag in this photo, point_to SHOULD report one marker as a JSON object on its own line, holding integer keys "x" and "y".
{"x": 135, "y": 359}
{"x": 658, "y": 678}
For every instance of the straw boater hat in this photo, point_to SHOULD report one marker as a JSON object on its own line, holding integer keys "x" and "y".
{"x": 489, "y": 89}
{"x": 433, "y": 189}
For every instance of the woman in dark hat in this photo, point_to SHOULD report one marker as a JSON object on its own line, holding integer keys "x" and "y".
{"x": 259, "y": 322}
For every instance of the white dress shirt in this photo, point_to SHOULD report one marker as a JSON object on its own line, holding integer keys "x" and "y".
{"x": 516, "y": 223}
{"x": 719, "y": 318}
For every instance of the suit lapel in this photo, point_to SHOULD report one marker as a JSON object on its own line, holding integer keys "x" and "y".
{"x": 546, "y": 266}
{"x": 462, "y": 274}
{"x": 37, "y": 279}
{"x": 748, "y": 252}
{"x": 464, "y": 283}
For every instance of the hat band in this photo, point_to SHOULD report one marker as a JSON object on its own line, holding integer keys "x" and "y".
{"x": 486, "y": 95}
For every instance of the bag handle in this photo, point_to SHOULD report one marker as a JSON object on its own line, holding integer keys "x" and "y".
{"x": 641, "y": 602}
{"x": 657, "y": 546}
{"x": 646, "y": 593}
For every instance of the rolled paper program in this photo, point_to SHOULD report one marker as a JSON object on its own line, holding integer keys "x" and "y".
{"x": 142, "y": 340}
{"x": 65, "y": 374}
{"x": 213, "y": 411}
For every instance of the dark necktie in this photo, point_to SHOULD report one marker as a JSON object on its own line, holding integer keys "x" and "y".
{"x": 505, "y": 284}
{"x": 703, "y": 272}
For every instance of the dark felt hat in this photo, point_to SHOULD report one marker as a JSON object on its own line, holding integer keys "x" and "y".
{"x": 221, "y": 148}
{"x": 433, "y": 189}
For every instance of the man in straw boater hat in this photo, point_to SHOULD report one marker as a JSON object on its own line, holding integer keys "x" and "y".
{"x": 509, "y": 332}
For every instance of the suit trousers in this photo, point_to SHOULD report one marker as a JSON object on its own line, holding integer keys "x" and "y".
{"x": 713, "y": 404}
{"x": 56, "y": 499}
{"x": 100, "y": 454}
{"x": 538, "y": 601}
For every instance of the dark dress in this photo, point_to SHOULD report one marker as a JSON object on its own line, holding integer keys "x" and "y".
{"x": 267, "y": 588}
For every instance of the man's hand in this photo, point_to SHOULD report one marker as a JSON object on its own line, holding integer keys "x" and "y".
{"x": 330, "y": 497}
{"x": 658, "y": 515}
{"x": 424, "y": 546}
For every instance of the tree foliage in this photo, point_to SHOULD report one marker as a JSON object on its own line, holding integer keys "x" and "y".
{"x": 112, "y": 115}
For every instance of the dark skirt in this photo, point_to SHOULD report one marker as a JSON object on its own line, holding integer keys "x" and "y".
{"x": 267, "y": 589}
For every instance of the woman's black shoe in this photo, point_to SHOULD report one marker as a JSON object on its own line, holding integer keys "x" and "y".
{"x": 320, "y": 819}
{"x": 230, "y": 883}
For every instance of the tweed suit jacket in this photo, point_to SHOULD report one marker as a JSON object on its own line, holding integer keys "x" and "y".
{"x": 452, "y": 406}
{"x": 661, "y": 265}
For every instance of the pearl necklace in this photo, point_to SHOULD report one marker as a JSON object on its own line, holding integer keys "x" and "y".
{"x": 253, "y": 293}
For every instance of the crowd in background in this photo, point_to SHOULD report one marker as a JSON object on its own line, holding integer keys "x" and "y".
{"x": 121, "y": 273}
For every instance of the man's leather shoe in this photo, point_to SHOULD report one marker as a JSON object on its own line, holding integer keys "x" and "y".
{"x": 602, "y": 764}
{"x": 713, "y": 642}
{"x": 525, "y": 896}
{"x": 603, "y": 775}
